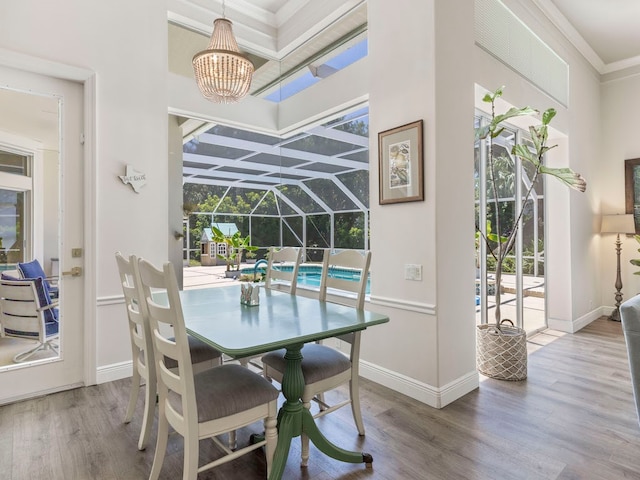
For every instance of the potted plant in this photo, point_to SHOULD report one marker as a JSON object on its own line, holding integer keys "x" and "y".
{"x": 636, "y": 261}
{"x": 250, "y": 256}
{"x": 502, "y": 349}
{"x": 236, "y": 245}
{"x": 243, "y": 244}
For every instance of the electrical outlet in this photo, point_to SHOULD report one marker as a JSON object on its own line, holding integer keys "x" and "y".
{"x": 413, "y": 272}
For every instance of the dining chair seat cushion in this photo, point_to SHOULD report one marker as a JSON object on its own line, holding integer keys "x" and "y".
{"x": 200, "y": 352}
{"x": 318, "y": 362}
{"x": 227, "y": 390}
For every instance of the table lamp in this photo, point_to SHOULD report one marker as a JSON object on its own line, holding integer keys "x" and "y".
{"x": 618, "y": 224}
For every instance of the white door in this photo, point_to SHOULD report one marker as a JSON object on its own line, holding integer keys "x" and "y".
{"x": 52, "y": 216}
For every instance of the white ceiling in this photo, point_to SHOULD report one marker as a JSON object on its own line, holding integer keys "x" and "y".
{"x": 606, "y": 32}
{"x": 268, "y": 28}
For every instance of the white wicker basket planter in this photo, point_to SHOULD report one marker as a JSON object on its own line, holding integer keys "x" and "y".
{"x": 502, "y": 353}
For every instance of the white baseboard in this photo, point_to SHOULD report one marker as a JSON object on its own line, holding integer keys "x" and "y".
{"x": 41, "y": 393}
{"x": 572, "y": 326}
{"x": 115, "y": 371}
{"x": 432, "y": 396}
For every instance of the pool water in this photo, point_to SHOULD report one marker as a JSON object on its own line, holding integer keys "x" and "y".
{"x": 309, "y": 275}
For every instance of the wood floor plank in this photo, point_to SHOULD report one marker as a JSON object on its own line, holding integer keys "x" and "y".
{"x": 573, "y": 418}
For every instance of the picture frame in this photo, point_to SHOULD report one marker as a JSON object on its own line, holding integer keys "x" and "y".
{"x": 632, "y": 190}
{"x": 400, "y": 159}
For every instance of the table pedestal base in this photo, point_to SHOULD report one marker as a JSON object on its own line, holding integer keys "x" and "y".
{"x": 295, "y": 420}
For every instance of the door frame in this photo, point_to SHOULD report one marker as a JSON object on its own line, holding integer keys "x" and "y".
{"x": 87, "y": 77}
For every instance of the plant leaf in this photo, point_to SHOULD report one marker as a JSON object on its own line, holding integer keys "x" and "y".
{"x": 491, "y": 97}
{"x": 496, "y": 133}
{"x": 524, "y": 153}
{"x": 513, "y": 112}
{"x": 482, "y": 132}
{"x": 566, "y": 176}
{"x": 548, "y": 115}
{"x": 494, "y": 238}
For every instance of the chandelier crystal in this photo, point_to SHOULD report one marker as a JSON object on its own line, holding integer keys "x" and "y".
{"x": 222, "y": 72}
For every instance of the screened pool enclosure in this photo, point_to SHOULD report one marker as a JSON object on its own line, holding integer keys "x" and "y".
{"x": 309, "y": 190}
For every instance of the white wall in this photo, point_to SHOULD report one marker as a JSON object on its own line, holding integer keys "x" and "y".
{"x": 423, "y": 65}
{"x": 572, "y": 261}
{"x": 422, "y": 69}
{"x": 175, "y": 197}
{"x": 125, "y": 44}
{"x": 620, "y": 123}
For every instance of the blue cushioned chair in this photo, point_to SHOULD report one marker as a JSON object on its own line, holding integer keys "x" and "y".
{"x": 28, "y": 312}
{"x": 33, "y": 269}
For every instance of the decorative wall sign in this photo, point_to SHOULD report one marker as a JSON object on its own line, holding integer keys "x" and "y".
{"x": 400, "y": 163}
{"x": 136, "y": 179}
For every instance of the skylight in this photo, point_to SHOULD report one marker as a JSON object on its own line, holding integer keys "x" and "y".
{"x": 300, "y": 83}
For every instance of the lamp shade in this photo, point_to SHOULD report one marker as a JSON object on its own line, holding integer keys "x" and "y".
{"x": 618, "y": 224}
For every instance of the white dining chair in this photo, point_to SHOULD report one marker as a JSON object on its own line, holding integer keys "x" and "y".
{"x": 325, "y": 368}
{"x": 282, "y": 275}
{"x": 203, "y": 405}
{"x": 282, "y": 269}
{"x": 202, "y": 355}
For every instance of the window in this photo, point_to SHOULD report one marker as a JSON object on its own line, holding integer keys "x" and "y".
{"x": 522, "y": 298}
{"x": 15, "y": 212}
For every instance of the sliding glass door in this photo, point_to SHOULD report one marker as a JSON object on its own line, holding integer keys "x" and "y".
{"x": 523, "y": 283}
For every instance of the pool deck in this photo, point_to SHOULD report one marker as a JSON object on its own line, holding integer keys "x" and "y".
{"x": 534, "y": 302}
{"x": 205, "y": 277}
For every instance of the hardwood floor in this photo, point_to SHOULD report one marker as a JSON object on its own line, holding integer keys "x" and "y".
{"x": 573, "y": 418}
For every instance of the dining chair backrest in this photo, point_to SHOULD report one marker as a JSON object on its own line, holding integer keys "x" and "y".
{"x": 283, "y": 266}
{"x": 164, "y": 308}
{"x": 139, "y": 331}
{"x": 346, "y": 271}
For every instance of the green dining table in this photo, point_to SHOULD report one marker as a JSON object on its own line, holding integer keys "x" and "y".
{"x": 216, "y": 316}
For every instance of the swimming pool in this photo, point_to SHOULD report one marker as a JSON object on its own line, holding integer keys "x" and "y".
{"x": 309, "y": 275}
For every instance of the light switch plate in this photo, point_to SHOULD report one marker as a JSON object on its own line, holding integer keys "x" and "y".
{"x": 413, "y": 272}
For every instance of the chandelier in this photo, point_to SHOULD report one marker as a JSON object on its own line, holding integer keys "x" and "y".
{"x": 222, "y": 72}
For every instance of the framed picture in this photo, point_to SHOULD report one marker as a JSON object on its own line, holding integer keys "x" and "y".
{"x": 400, "y": 164}
{"x": 632, "y": 189}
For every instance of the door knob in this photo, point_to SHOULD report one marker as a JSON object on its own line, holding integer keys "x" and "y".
{"x": 74, "y": 272}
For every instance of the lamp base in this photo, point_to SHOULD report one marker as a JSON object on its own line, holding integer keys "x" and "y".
{"x": 615, "y": 315}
